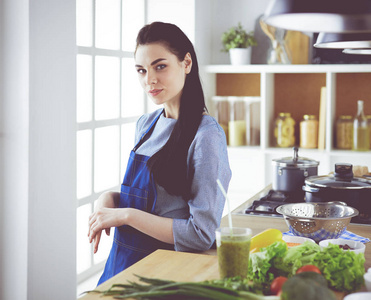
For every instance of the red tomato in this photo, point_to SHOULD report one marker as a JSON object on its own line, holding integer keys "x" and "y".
{"x": 308, "y": 268}
{"x": 277, "y": 284}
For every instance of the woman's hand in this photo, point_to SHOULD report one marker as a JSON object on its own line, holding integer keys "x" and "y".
{"x": 107, "y": 215}
{"x": 101, "y": 218}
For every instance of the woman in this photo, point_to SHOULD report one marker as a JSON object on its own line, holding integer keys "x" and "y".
{"x": 169, "y": 197}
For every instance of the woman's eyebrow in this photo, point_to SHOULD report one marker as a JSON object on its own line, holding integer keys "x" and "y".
{"x": 157, "y": 60}
{"x": 152, "y": 63}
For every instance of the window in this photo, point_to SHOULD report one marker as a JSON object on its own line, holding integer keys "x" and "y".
{"x": 109, "y": 101}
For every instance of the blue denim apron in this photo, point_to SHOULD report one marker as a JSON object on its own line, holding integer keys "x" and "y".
{"x": 138, "y": 191}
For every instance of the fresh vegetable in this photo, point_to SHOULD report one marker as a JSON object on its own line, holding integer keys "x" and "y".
{"x": 167, "y": 289}
{"x": 261, "y": 270}
{"x": 308, "y": 268}
{"x": 276, "y": 285}
{"x": 296, "y": 257}
{"x": 236, "y": 283}
{"x": 292, "y": 244}
{"x": 313, "y": 276}
{"x": 343, "y": 270}
{"x": 264, "y": 239}
{"x": 303, "y": 286}
{"x": 307, "y": 286}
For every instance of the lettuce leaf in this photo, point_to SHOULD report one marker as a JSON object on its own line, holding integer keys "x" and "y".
{"x": 343, "y": 270}
{"x": 260, "y": 264}
{"x": 296, "y": 257}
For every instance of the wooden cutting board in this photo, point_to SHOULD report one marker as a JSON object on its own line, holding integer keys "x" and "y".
{"x": 298, "y": 43}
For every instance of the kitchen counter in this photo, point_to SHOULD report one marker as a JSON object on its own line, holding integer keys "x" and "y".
{"x": 181, "y": 266}
{"x": 165, "y": 264}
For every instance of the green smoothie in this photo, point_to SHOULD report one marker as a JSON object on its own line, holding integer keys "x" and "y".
{"x": 233, "y": 256}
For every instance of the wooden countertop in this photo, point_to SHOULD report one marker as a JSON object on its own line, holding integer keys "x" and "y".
{"x": 165, "y": 264}
{"x": 181, "y": 266}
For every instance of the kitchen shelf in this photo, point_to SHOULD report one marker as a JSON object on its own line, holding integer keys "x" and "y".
{"x": 333, "y": 68}
{"x": 295, "y": 89}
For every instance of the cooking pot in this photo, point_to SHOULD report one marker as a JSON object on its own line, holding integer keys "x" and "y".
{"x": 289, "y": 173}
{"x": 340, "y": 186}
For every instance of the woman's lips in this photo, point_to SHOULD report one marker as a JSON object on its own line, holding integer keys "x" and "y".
{"x": 154, "y": 92}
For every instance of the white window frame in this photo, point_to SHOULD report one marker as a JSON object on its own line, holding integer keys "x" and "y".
{"x": 95, "y": 124}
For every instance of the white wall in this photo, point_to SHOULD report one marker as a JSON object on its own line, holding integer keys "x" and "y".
{"x": 13, "y": 148}
{"x": 37, "y": 136}
{"x": 213, "y": 17}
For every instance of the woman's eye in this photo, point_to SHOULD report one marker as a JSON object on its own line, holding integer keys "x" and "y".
{"x": 160, "y": 67}
{"x": 141, "y": 71}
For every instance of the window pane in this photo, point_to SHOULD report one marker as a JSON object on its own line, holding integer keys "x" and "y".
{"x": 84, "y": 88}
{"x": 127, "y": 144}
{"x": 84, "y": 163}
{"x": 106, "y": 158}
{"x": 84, "y": 23}
{"x": 105, "y": 245}
{"x": 107, "y": 24}
{"x": 132, "y": 92}
{"x": 180, "y": 13}
{"x": 107, "y": 87}
{"x": 82, "y": 243}
{"x": 132, "y": 22}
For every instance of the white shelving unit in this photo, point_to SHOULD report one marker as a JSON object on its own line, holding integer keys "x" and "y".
{"x": 254, "y": 163}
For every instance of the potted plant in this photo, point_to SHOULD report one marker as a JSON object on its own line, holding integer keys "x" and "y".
{"x": 238, "y": 42}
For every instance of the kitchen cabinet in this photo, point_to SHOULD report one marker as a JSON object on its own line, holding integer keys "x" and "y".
{"x": 295, "y": 89}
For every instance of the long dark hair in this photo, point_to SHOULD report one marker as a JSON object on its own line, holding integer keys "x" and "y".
{"x": 169, "y": 164}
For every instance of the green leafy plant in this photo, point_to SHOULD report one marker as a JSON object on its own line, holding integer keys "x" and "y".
{"x": 237, "y": 37}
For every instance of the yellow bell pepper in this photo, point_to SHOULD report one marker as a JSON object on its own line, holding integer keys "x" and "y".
{"x": 264, "y": 239}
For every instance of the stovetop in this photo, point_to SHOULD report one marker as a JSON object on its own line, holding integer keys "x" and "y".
{"x": 266, "y": 205}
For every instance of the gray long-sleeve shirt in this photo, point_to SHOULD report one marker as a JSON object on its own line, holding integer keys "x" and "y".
{"x": 195, "y": 221}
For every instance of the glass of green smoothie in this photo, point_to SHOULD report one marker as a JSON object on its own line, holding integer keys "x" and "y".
{"x": 233, "y": 248}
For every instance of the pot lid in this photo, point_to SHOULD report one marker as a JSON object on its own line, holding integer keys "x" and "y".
{"x": 341, "y": 179}
{"x": 295, "y": 161}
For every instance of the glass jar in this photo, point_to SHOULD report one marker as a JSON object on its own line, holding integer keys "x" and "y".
{"x": 252, "y": 110}
{"x": 284, "y": 131}
{"x": 344, "y": 132}
{"x": 221, "y": 114}
{"x": 360, "y": 130}
{"x": 237, "y": 122}
{"x": 309, "y": 132}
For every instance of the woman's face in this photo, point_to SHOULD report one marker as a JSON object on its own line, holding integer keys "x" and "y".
{"x": 161, "y": 74}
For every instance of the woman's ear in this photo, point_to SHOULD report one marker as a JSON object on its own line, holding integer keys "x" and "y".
{"x": 188, "y": 62}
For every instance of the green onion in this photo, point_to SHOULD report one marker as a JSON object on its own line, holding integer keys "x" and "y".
{"x": 152, "y": 288}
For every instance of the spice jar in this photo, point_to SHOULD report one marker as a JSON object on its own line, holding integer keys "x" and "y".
{"x": 309, "y": 132}
{"x": 344, "y": 132}
{"x": 284, "y": 131}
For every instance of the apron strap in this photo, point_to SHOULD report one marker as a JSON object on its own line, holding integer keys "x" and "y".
{"x": 148, "y": 131}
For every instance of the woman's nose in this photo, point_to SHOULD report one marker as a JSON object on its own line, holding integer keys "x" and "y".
{"x": 151, "y": 78}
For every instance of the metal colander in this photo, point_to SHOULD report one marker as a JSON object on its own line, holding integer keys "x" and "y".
{"x": 318, "y": 221}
